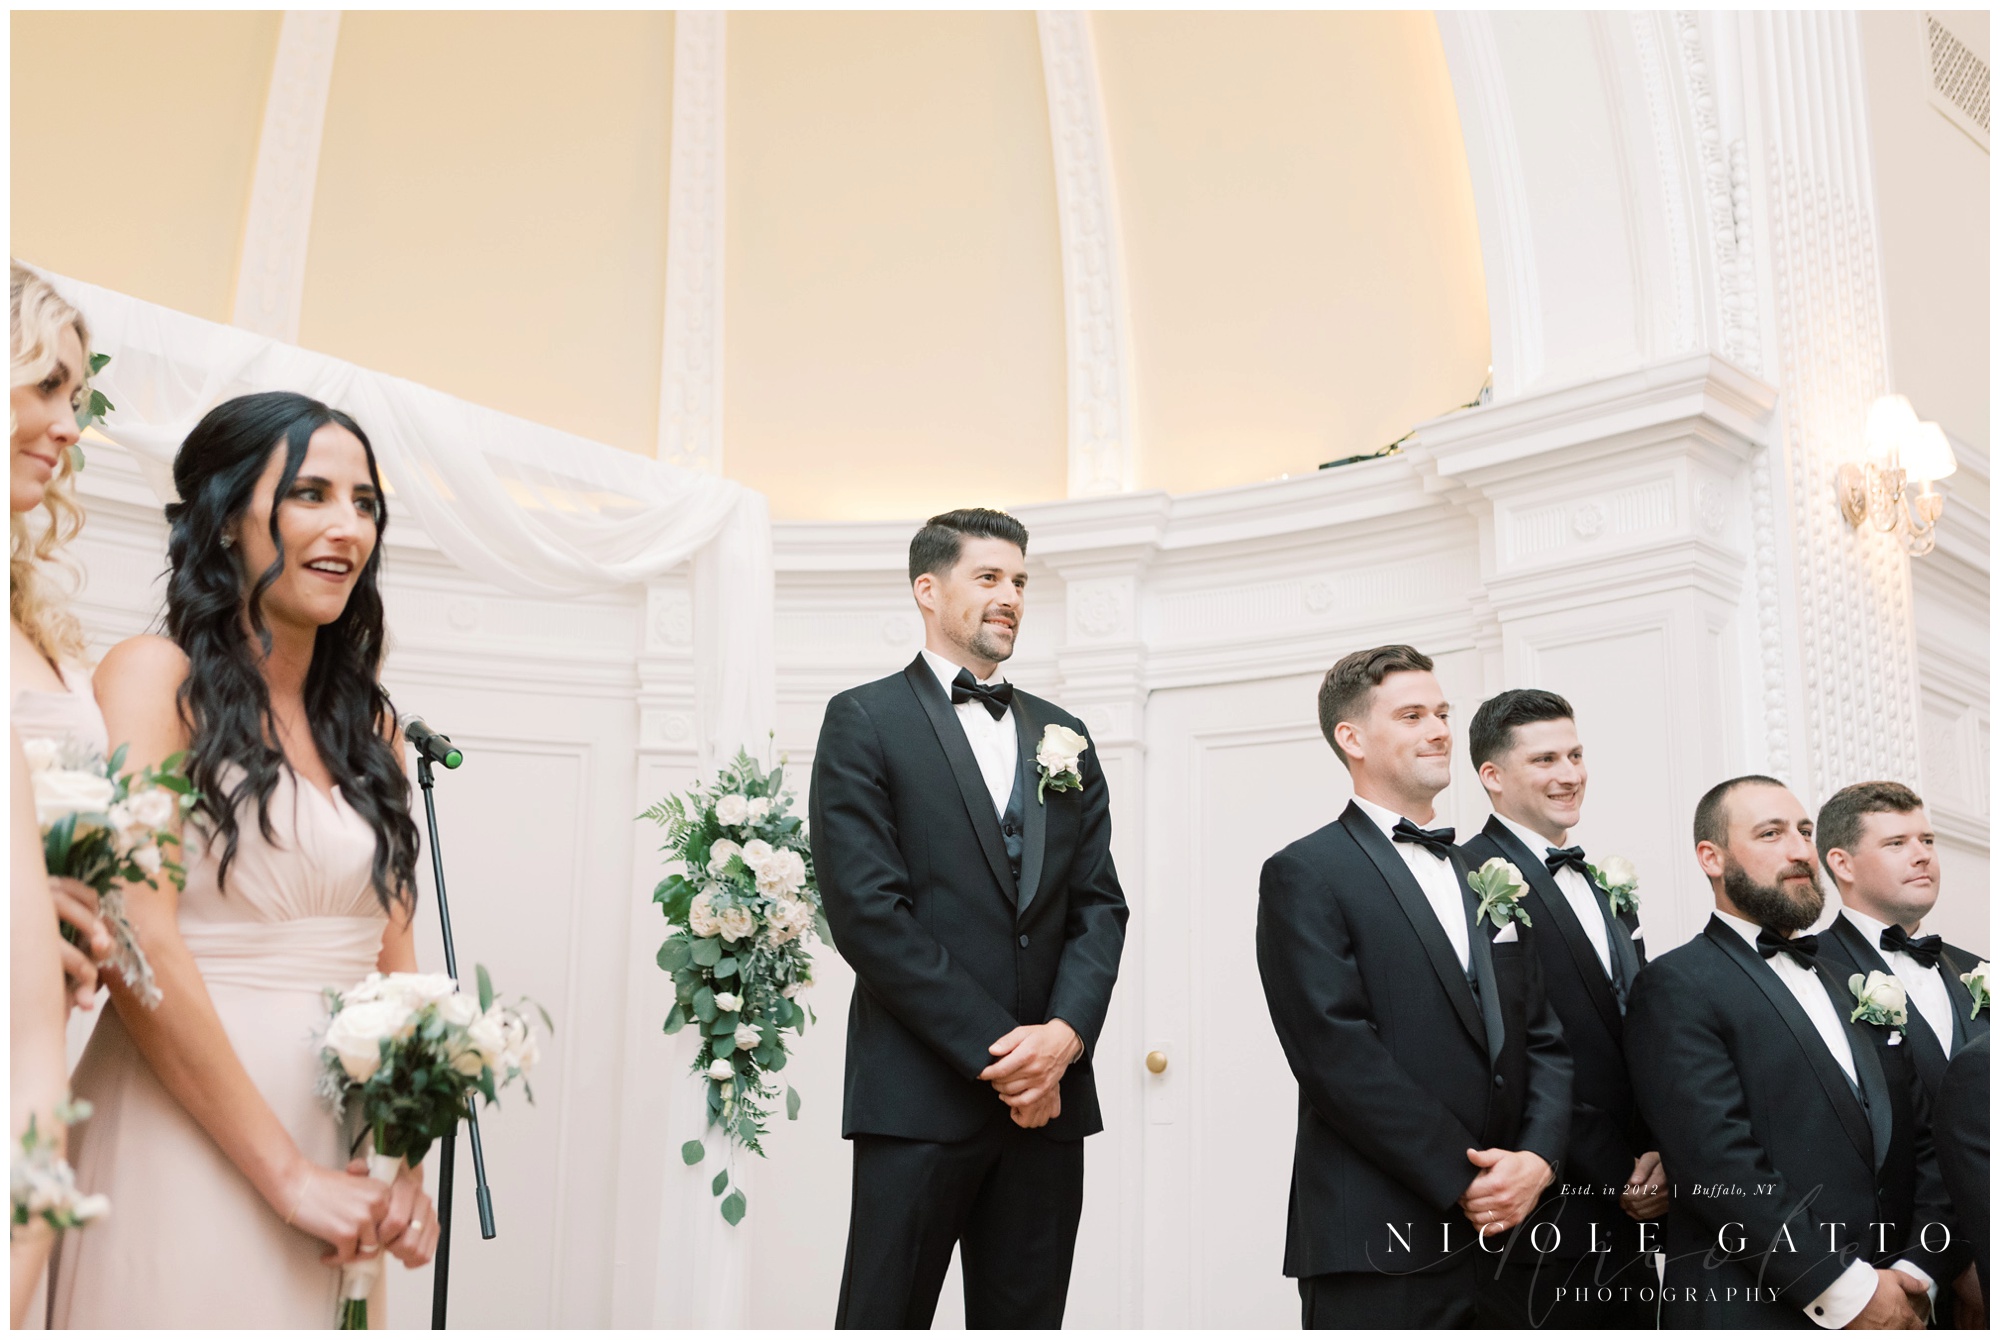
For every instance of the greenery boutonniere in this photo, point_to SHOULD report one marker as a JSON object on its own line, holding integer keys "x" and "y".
{"x": 1059, "y": 760}
{"x": 1882, "y": 1000}
{"x": 1619, "y": 879}
{"x": 1975, "y": 982}
{"x": 1499, "y": 886}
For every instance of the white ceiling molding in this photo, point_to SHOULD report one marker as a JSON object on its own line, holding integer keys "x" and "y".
{"x": 690, "y": 418}
{"x": 271, "y": 276}
{"x": 1102, "y": 447}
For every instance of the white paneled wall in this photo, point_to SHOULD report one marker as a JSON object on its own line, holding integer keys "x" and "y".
{"x": 1592, "y": 539}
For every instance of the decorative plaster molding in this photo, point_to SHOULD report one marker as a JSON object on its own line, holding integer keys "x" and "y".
{"x": 690, "y": 417}
{"x": 1725, "y": 179}
{"x": 271, "y": 276}
{"x": 1102, "y": 451}
{"x": 1853, "y": 603}
{"x": 1663, "y": 121}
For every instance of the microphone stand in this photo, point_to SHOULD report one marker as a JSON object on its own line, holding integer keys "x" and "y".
{"x": 441, "y": 1278}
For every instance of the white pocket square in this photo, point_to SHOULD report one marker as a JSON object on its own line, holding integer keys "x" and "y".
{"x": 1895, "y": 1037}
{"x": 1638, "y": 932}
{"x": 1508, "y": 934}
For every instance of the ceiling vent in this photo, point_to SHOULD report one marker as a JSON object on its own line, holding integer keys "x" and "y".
{"x": 1960, "y": 83}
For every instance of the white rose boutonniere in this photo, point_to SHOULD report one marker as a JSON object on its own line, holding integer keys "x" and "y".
{"x": 1619, "y": 879}
{"x": 1059, "y": 759}
{"x": 1499, "y": 886}
{"x": 1882, "y": 1000}
{"x": 1975, "y": 982}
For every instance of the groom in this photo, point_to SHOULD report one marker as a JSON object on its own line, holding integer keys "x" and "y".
{"x": 966, "y": 871}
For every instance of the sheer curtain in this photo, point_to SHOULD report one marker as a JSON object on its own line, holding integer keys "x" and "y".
{"x": 531, "y": 508}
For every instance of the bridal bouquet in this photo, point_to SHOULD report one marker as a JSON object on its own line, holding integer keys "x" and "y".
{"x": 42, "y": 1184}
{"x": 411, "y": 1049}
{"x": 104, "y": 827}
{"x": 741, "y": 905}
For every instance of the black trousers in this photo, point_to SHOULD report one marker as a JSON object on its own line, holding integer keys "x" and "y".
{"x": 1435, "y": 1300}
{"x": 1008, "y": 1198}
{"x": 1600, "y": 1292}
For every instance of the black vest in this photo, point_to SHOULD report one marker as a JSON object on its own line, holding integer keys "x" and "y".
{"x": 1013, "y": 827}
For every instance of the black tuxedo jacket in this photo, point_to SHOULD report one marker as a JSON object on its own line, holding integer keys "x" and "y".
{"x": 1402, "y": 1065}
{"x": 1771, "y": 1153}
{"x": 1605, "y": 1133}
{"x": 1962, "y": 1123}
{"x": 949, "y": 951}
{"x": 1845, "y": 944}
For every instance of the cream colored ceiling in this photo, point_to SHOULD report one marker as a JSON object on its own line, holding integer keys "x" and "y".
{"x": 1301, "y": 251}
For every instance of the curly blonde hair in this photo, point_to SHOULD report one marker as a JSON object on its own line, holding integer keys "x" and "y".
{"x": 38, "y": 604}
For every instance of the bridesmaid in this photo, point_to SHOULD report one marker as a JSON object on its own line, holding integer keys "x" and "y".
{"x": 230, "y": 1178}
{"x": 51, "y": 696}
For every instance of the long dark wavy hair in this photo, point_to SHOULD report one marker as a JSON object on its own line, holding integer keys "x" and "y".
{"x": 224, "y": 701}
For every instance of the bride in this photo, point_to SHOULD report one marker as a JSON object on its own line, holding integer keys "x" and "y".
{"x": 234, "y": 1195}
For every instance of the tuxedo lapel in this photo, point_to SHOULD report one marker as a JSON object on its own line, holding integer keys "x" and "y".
{"x": 1932, "y": 1053}
{"x": 1961, "y": 998}
{"x": 1417, "y": 909}
{"x": 1568, "y": 928}
{"x": 1035, "y": 813}
{"x": 964, "y": 768}
{"x": 1869, "y": 1077}
{"x": 1481, "y": 953}
{"x": 1853, "y": 1118}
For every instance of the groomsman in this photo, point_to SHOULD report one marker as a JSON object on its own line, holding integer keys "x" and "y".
{"x": 1434, "y": 1087}
{"x": 969, "y": 884}
{"x": 1875, "y": 840}
{"x": 1964, "y": 1120}
{"x": 1806, "y": 1192}
{"x": 1597, "y": 1270}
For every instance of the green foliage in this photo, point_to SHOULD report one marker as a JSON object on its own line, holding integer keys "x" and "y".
{"x": 692, "y": 1152}
{"x": 733, "y": 1206}
{"x": 95, "y": 406}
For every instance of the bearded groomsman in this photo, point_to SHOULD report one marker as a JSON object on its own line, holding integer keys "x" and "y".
{"x": 1875, "y": 840}
{"x": 961, "y": 832}
{"x": 1433, "y": 1081}
{"x": 1596, "y": 1270}
{"x": 1805, "y": 1186}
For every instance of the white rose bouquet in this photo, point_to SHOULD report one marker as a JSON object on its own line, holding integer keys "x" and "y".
{"x": 1975, "y": 982}
{"x": 42, "y": 1184}
{"x": 411, "y": 1049}
{"x": 1881, "y": 1000}
{"x": 104, "y": 827}
{"x": 741, "y": 908}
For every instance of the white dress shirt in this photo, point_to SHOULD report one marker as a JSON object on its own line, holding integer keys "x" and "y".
{"x": 1575, "y": 888}
{"x": 1925, "y": 986}
{"x": 995, "y": 746}
{"x": 1434, "y": 876}
{"x": 1845, "y": 1297}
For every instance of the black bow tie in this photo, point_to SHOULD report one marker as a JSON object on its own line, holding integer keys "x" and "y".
{"x": 993, "y": 697}
{"x": 1924, "y": 948}
{"x": 1572, "y": 857}
{"x": 1803, "y": 948}
{"x": 1436, "y": 840}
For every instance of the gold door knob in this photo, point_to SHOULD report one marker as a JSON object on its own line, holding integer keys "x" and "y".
{"x": 1156, "y": 1062}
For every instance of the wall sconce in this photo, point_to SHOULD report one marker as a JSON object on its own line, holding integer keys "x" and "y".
{"x": 1901, "y": 450}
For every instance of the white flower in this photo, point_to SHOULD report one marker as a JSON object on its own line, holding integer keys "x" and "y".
{"x": 748, "y": 1036}
{"x": 42, "y": 753}
{"x": 1881, "y": 998}
{"x": 788, "y": 919}
{"x": 760, "y": 810}
{"x": 781, "y": 872}
{"x": 423, "y": 988}
{"x": 356, "y": 1033}
{"x": 731, "y": 810}
{"x": 756, "y": 853}
{"x": 701, "y": 913}
{"x": 1975, "y": 982}
{"x": 458, "y": 1009}
{"x": 1060, "y": 750}
{"x": 719, "y": 854}
{"x": 721, "y": 1071}
{"x": 1618, "y": 872}
{"x": 60, "y": 792}
{"x": 728, "y": 1002}
{"x": 736, "y": 923}
{"x": 147, "y": 858}
{"x": 793, "y": 990}
{"x": 488, "y": 1036}
{"x": 153, "y": 808}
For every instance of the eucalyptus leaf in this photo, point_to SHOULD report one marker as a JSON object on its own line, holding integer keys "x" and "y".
{"x": 707, "y": 951}
{"x": 721, "y": 1180}
{"x": 733, "y": 1207}
{"x": 791, "y": 1103}
{"x": 725, "y": 967}
{"x": 485, "y": 986}
{"x": 692, "y": 1152}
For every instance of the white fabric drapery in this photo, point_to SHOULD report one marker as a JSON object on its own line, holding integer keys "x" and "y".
{"x": 531, "y": 508}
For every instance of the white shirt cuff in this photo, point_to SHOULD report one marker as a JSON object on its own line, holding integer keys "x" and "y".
{"x": 1844, "y": 1298}
{"x": 1922, "y": 1276}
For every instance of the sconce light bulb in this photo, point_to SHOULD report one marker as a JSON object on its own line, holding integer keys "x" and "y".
{"x": 1927, "y": 454}
{"x": 1891, "y": 421}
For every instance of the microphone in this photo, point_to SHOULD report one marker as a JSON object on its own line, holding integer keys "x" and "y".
{"x": 433, "y": 745}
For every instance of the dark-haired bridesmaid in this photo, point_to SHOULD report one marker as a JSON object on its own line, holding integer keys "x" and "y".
{"x": 235, "y": 1199}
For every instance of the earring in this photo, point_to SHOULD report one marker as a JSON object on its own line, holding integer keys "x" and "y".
{"x": 229, "y": 542}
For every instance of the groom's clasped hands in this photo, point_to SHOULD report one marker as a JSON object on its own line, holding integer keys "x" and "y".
{"x": 1028, "y": 1069}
